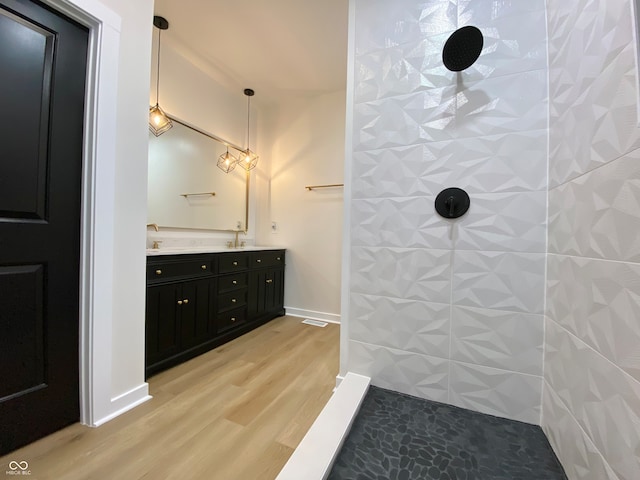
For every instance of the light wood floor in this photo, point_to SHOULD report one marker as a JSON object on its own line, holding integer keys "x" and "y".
{"x": 234, "y": 413}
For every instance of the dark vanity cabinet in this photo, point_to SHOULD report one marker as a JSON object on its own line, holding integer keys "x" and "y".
{"x": 198, "y": 302}
{"x": 266, "y": 284}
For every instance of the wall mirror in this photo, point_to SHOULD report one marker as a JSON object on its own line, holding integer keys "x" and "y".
{"x": 185, "y": 187}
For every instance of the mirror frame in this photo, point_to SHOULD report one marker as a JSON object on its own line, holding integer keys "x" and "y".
{"x": 228, "y": 144}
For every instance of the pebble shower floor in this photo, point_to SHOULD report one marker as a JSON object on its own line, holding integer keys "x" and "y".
{"x": 399, "y": 437}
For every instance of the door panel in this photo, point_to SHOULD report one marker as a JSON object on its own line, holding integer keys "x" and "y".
{"x": 43, "y": 64}
{"x": 162, "y": 324}
{"x": 26, "y": 61}
{"x": 197, "y": 316}
{"x": 23, "y": 329}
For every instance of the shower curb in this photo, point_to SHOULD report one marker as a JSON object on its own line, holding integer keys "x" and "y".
{"x": 314, "y": 456}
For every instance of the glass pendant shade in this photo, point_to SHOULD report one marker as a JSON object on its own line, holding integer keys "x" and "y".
{"x": 248, "y": 160}
{"x": 158, "y": 121}
{"x": 227, "y": 162}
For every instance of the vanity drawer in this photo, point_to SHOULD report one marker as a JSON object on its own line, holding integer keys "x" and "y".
{"x": 232, "y": 281}
{"x": 231, "y": 319}
{"x": 232, "y": 300}
{"x": 270, "y": 258}
{"x": 233, "y": 262}
{"x": 161, "y": 271}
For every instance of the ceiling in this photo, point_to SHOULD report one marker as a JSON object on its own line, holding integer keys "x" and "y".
{"x": 277, "y": 47}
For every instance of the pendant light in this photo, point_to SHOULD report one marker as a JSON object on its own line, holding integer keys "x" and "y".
{"x": 248, "y": 159}
{"x": 227, "y": 162}
{"x": 158, "y": 120}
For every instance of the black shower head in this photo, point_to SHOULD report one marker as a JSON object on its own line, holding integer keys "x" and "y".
{"x": 462, "y": 48}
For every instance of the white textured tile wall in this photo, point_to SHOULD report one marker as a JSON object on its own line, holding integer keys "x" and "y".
{"x": 450, "y": 310}
{"x": 591, "y": 401}
{"x": 496, "y": 392}
{"x": 592, "y": 85}
{"x": 603, "y": 399}
{"x": 580, "y": 457}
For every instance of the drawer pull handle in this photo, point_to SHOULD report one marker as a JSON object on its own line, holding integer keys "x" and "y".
{"x": 158, "y": 272}
{"x": 259, "y": 261}
{"x": 204, "y": 267}
{"x": 278, "y": 258}
{"x": 269, "y": 280}
{"x": 179, "y": 302}
{"x": 235, "y": 264}
{"x": 235, "y": 282}
{"x": 233, "y": 319}
{"x": 233, "y": 300}
{"x": 186, "y": 300}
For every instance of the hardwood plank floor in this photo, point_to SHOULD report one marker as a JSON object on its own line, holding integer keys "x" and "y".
{"x": 234, "y": 413}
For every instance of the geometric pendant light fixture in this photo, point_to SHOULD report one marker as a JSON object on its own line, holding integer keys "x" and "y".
{"x": 248, "y": 159}
{"x": 159, "y": 122}
{"x": 227, "y": 162}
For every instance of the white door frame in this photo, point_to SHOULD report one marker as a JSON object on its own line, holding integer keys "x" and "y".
{"x": 98, "y": 186}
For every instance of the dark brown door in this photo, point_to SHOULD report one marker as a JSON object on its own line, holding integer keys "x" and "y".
{"x": 42, "y": 85}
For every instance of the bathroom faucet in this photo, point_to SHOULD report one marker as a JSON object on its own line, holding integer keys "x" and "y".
{"x": 235, "y": 238}
{"x": 154, "y": 225}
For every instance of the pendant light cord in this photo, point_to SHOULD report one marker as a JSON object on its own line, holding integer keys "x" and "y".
{"x": 158, "y": 71}
{"x": 248, "y": 122}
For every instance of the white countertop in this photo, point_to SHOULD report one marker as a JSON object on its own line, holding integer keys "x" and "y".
{"x": 151, "y": 252}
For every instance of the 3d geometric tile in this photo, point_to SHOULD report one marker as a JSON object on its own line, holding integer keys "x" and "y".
{"x": 488, "y": 12}
{"x": 405, "y": 372}
{"x": 496, "y": 392}
{"x": 502, "y": 281}
{"x": 399, "y": 222}
{"x": 419, "y": 128}
{"x": 396, "y": 172}
{"x": 505, "y": 340}
{"x": 579, "y": 456}
{"x": 405, "y": 120}
{"x": 592, "y": 85}
{"x": 407, "y": 325}
{"x": 506, "y": 50}
{"x": 604, "y": 400}
{"x": 501, "y": 221}
{"x": 407, "y": 68}
{"x": 510, "y": 103}
{"x": 416, "y": 274}
{"x": 486, "y": 107}
{"x": 599, "y": 302}
{"x": 508, "y": 162}
{"x": 401, "y": 67}
{"x": 598, "y": 214}
{"x": 512, "y": 162}
{"x": 504, "y": 221}
{"x": 383, "y": 24}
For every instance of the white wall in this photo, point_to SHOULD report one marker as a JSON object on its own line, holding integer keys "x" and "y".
{"x": 450, "y": 311}
{"x": 306, "y": 148}
{"x": 591, "y": 403}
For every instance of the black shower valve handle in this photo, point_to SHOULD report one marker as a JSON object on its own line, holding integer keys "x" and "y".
{"x": 452, "y": 203}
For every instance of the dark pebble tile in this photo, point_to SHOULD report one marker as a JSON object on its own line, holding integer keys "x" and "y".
{"x": 396, "y": 436}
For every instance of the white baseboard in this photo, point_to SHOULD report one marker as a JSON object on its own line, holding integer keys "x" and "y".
{"x": 314, "y": 456}
{"x": 125, "y": 402}
{"x": 313, "y": 315}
